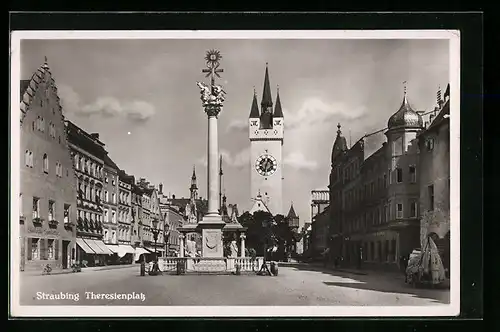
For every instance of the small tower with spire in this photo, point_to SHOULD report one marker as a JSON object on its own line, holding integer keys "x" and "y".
{"x": 293, "y": 219}
{"x": 194, "y": 187}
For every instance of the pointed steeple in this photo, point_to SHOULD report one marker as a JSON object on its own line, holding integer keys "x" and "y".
{"x": 293, "y": 219}
{"x": 278, "y": 113}
{"x": 267, "y": 100}
{"x": 194, "y": 188}
{"x": 254, "y": 111}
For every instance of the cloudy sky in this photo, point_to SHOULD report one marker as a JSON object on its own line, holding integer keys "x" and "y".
{"x": 141, "y": 97}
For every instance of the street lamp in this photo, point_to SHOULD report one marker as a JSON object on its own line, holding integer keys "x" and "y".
{"x": 156, "y": 231}
{"x": 167, "y": 237}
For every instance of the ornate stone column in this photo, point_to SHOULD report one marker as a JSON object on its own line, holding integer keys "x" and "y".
{"x": 242, "y": 243}
{"x": 212, "y": 97}
{"x": 181, "y": 245}
{"x": 212, "y": 158}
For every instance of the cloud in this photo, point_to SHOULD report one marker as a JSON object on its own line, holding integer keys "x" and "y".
{"x": 297, "y": 160}
{"x": 70, "y": 100}
{"x": 238, "y": 160}
{"x": 315, "y": 111}
{"x": 237, "y": 125}
{"x": 136, "y": 110}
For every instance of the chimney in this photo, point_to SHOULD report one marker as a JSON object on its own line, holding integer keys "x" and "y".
{"x": 95, "y": 136}
{"x": 160, "y": 186}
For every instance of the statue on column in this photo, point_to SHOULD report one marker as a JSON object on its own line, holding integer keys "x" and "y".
{"x": 234, "y": 213}
{"x": 234, "y": 248}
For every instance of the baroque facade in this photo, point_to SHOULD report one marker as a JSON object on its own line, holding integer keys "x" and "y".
{"x": 88, "y": 155}
{"x": 47, "y": 198}
{"x": 374, "y": 208}
{"x": 109, "y": 201}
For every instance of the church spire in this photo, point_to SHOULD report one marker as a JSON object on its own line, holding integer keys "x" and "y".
{"x": 267, "y": 100}
{"x": 194, "y": 188}
{"x": 278, "y": 113}
{"x": 254, "y": 111}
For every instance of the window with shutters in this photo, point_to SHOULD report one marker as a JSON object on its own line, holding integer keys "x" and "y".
{"x": 399, "y": 211}
{"x": 34, "y": 252}
{"x": 50, "y": 249}
{"x": 67, "y": 208}
{"x": 45, "y": 163}
{"x": 413, "y": 174}
{"x": 52, "y": 206}
{"x": 399, "y": 175}
{"x": 36, "y": 207}
{"x": 413, "y": 209}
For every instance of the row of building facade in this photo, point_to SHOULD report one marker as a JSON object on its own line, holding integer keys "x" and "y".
{"x": 379, "y": 207}
{"x": 75, "y": 203}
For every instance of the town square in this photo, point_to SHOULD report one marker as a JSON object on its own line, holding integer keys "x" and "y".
{"x": 259, "y": 172}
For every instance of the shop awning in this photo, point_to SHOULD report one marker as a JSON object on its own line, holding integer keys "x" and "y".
{"x": 140, "y": 251}
{"x": 127, "y": 248}
{"x": 123, "y": 249}
{"x": 94, "y": 246}
{"x": 103, "y": 247}
{"x": 112, "y": 247}
{"x": 85, "y": 247}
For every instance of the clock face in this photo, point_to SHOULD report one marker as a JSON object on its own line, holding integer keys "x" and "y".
{"x": 266, "y": 165}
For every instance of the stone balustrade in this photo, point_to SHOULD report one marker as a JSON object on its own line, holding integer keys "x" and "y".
{"x": 210, "y": 264}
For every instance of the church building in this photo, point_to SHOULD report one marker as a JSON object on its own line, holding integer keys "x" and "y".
{"x": 266, "y": 130}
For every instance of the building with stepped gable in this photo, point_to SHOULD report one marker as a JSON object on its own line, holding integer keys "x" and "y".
{"x": 47, "y": 198}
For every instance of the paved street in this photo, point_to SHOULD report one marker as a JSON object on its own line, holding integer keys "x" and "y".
{"x": 301, "y": 285}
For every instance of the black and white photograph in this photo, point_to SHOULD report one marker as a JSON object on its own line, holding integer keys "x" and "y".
{"x": 235, "y": 173}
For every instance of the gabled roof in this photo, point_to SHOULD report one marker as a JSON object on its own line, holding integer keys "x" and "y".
{"x": 30, "y": 87}
{"x": 109, "y": 162}
{"x": 259, "y": 205}
{"x": 441, "y": 118}
{"x": 79, "y": 137}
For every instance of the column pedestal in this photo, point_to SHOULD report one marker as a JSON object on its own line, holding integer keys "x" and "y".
{"x": 181, "y": 245}
{"x": 242, "y": 239}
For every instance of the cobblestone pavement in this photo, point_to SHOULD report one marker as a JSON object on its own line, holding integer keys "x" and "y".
{"x": 301, "y": 285}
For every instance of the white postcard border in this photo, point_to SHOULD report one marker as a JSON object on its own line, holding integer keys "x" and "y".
{"x": 451, "y": 309}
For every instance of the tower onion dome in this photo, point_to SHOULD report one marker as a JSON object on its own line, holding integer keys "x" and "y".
{"x": 405, "y": 117}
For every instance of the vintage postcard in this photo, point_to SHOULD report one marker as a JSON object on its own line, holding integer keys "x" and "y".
{"x": 235, "y": 173}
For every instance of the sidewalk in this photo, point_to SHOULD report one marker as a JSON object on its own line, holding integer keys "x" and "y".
{"x": 85, "y": 269}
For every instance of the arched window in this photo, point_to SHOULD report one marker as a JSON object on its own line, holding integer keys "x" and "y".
{"x": 77, "y": 163}
{"x": 45, "y": 163}
{"x": 27, "y": 158}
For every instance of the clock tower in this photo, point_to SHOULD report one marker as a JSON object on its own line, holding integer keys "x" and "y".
{"x": 266, "y": 143}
